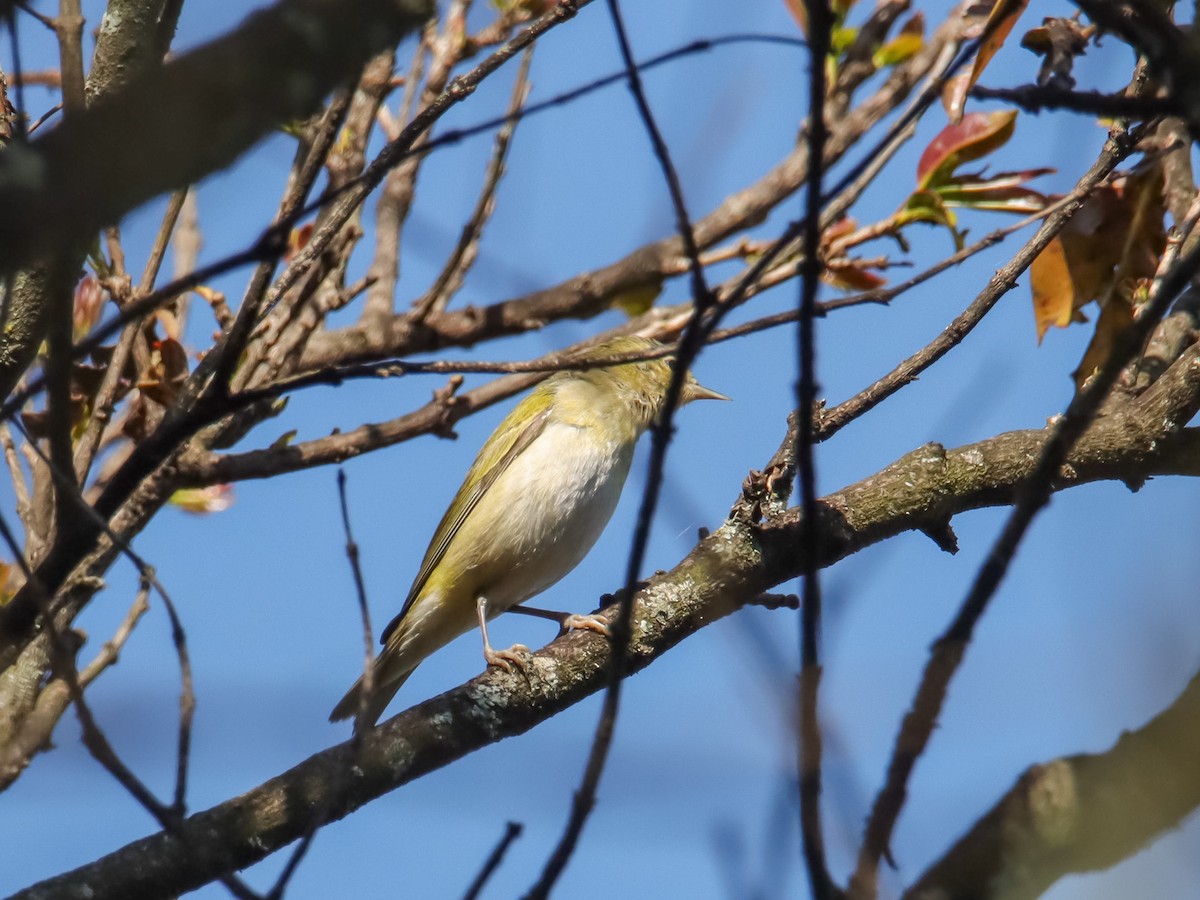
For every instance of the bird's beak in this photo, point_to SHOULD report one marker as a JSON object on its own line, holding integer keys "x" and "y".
{"x": 694, "y": 390}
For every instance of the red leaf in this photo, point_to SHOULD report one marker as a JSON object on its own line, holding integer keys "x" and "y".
{"x": 976, "y": 135}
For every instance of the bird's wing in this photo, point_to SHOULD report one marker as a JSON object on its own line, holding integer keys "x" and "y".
{"x": 514, "y": 434}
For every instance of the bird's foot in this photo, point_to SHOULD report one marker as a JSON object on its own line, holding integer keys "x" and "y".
{"x": 517, "y": 655}
{"x": 588, "y": 622}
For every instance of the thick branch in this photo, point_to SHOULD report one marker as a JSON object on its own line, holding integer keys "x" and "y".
{"x": 728, "y": 569}
{"x": 194, "y": 116}
{"x": 1079, "y": 813}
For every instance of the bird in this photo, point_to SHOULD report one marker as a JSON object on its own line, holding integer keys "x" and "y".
{"x": 533, "y": 503}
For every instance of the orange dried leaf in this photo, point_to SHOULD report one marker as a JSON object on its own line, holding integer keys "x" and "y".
{"x": 1053, "y": 290}
{"x": 849, "y": 275}
{"x": 1111, "y": 245}
{"x": 297, "y": 238}
{"x": 1115, "y": 317}
{"x": 1001, "y": 20}
{"x": 799, "y": 13}
{"x": 9, "y": 579}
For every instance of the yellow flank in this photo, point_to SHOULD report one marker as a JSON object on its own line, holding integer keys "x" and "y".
{"x": 533, "y": 503}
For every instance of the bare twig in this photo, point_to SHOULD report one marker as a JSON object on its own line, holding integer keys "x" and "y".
{"x": 364, "y": 609}
{"x": 808, "y": 738}
{"x": 111, "y": 650}
{"x": 449, "y": 280}
{"x": 1035, "y": 98}
{"x": 512, "y": 831}
{"x": 106, "y": 394}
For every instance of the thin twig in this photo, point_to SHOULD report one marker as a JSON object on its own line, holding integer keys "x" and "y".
{"x": 60, "y": 291}
{"x": 66, "y": 487}
{"x": 449, "y": 280}
{"x": 512, "y": 831}
{"x": 364, "y": 609}
{"x": 321, "y": 812}
{"x": 808, "y": 738}
{"x": 168, "y": 818}
{"x": 1035, "y": 98}
{"x": 111, "y": 651}
{"x": 106, "y": 394}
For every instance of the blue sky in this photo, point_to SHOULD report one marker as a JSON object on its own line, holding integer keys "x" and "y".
{"x": 1094, "y": 631}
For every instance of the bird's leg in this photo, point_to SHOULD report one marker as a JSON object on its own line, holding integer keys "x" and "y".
{"x": 516, "y": 655}
{"x": 566, "y": 621}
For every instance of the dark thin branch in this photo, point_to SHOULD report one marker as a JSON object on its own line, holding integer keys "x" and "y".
{"x": 808, "y": 737}
{"x": 462, "y": 257}
{"x": 66, "y": 487}
{"x": 1170, "y": 52}
{"x": 701, "y": 294}
{"x": 1035, "y": 98}
{"x": 320, "y": 813}
{"x": 169, "y": 818}
{"x": 364, "y": 608}
{"x": 512, "y": 831}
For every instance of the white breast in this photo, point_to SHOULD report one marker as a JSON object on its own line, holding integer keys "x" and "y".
{"x": 554, "y": 501}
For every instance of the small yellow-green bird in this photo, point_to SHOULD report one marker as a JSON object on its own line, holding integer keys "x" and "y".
{"x": 533, "y": 503}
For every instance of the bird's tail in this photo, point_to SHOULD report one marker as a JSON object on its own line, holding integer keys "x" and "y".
{"x": 386, "y": 683}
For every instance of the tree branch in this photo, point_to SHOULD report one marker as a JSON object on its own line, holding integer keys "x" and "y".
{"x": 148, "y": 137}
{"x": 1079, "y": 813}
{"x": 922, "y": 489}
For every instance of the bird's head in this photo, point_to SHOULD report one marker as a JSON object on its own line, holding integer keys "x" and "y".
{"x": 640, "y": 386}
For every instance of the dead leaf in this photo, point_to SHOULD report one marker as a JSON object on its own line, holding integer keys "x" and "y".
{"x": 297, "y": 238}
{"x": 1058, "y": 41}
{"x": 167, "y": 372}
{"x": 851, "y": 275}
{"x": 1000, "y": 21}
{"x": 1115, "y": 317}
{"x": 1053, "y": 289}
{"x": 1104, "y": 252}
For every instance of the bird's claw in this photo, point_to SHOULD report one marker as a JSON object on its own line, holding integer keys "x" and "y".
{"x": 588, "y": 622}
{"x": 517, "y": 655}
